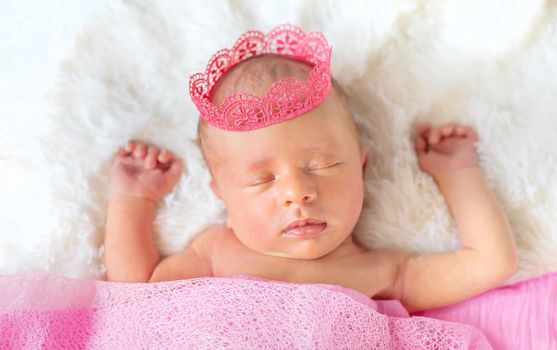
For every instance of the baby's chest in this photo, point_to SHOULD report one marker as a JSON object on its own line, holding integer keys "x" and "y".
{"x": 356, "y": 271}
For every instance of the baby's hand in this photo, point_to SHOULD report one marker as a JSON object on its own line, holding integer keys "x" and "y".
{"x": 445, "y": 149}
{"x": 144, "y": 171}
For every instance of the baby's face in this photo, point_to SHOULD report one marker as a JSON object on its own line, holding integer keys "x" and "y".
{"x": 308, "y": 167}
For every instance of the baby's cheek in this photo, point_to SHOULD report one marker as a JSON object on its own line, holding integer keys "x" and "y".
{"x": 257, "y": 217}
{"x": 346, "y": 196}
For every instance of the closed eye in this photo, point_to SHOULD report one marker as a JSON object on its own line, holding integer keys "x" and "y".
{"x": 262, "y": 181}
{"x": 322, "y": 166}
{"x": 265, "y": 180}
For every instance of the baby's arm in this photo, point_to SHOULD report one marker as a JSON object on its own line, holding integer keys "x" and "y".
{"x": 130, "y": 251}
{"x": 487, "y": 256}
{"x": 141, "y": 175}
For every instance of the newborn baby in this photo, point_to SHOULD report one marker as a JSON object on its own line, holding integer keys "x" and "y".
{"x": 294, "y": 191}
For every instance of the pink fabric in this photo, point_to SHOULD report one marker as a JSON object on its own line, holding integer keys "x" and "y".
{"x": 285, "y": 99}
{"x": 518, "y": 316}
{"x": 45, "y": 311}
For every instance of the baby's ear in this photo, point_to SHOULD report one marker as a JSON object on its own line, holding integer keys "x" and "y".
{"x": 363, "y": 154}
{"x": 215, "y": 189}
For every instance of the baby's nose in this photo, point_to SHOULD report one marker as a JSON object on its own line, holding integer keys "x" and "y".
{"x": 296, "y": 188}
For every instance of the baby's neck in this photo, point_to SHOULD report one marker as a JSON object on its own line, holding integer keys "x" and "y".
{"x": 349, "y": 246}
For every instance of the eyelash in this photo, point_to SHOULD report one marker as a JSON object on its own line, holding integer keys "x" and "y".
{"x": 260, "y": 182}
{"x": 328, "y": 165}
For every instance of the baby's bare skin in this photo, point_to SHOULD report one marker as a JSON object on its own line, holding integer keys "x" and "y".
{"x": 367, "y": 274}
{"x": 447, "y": 153}
{"x": 141, "y": 175}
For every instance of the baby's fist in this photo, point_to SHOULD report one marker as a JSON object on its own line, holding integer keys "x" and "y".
{"x": 144, "y": 171}
{"x": 445, "y": 149}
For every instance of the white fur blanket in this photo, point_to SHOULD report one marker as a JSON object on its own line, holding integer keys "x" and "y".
{"x": 490, "y": 64}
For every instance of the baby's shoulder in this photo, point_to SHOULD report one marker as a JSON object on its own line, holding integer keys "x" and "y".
{"x": 386, "y": 265}
{"x": 192, "y": 261}
{"x": 207, "y": 239}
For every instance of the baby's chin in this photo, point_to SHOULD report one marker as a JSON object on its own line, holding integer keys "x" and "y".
{"x": 315, "y": 253}
{"x": 294, "y": 256}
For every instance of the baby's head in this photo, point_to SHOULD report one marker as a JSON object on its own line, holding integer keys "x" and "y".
{"x": 310, "y": 166}
{"x": 291, "y": 154}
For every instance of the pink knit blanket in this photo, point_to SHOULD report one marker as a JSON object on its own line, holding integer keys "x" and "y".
{"x": 46, "y": 311}
{"x": 521, "y": 316}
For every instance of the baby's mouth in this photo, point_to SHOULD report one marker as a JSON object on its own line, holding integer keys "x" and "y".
{"x": 307, "y": 228}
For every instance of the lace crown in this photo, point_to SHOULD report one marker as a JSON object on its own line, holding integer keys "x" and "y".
{"x": 286, "y": 99}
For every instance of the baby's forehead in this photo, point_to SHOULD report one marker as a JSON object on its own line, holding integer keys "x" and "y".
{"x": 311, "y": 137}
{"x": 255, "y": 76}
{"x": 261, "y": 153}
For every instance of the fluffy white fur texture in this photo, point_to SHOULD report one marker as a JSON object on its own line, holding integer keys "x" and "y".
{"x": 489, "y": 64}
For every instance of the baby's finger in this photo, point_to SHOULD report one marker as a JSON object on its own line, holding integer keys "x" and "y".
{"x": 176, "y": 167}
{"x": 140, "y": 151}
{"x": 165, "y": 156}
{"x": 129, "y": 146}
{"x": 420, "y": 145}
{"x": 422, "y": 128}
{"x": 461, "y": 130}
{"x": 448, "y": 130}
{"x": 472, "y": 134}
{"x": 434, "y": 135}
{"x": 151, "y": 159}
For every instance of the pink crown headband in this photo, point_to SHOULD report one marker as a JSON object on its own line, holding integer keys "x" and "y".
{"x": 285, "y": 99}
